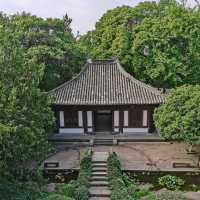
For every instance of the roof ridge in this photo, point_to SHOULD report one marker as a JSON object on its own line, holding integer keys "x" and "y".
{"x": 140, "y": 83}
{"x": 99, "y": 61}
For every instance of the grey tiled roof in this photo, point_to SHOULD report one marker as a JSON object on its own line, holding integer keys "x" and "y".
{"x": 104, "y": 82}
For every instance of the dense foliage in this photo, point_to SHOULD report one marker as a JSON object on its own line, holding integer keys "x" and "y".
{"x": 167, "y": 196}
{"x": 82, "y": 184}
{"x": 35, "y": 55}
{"x": 119, "y": 189}
{"x": 171, "y": 182}
{"x": 122, "y": 186}
{"x": 20, "y": 191}
{"x": 33, "y": 191}
{"x": 155, "y": 42}
{"x": 51, "y": 41}
{"x": 37, "y": 190}
{"x": 179, "y": 117}
{"x": 25, "y": 113}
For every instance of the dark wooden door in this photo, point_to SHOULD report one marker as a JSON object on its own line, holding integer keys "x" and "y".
{"x": 103, "y": 121}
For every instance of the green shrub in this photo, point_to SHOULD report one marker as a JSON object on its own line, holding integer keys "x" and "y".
{"x": 57, "y": 197}
{"x": 132, "y": 189}
{"x": 171, "y": 196}
{"x": 82, "y": 184}
{"x": 86, "y": 162}
{"x": 83, "y": 178}
{"x": 171, "y": 182}
{"x": 121, "y": 194}
{"x": 67, "y": 190}
{"x": 82, "y": 193}
{"x": 167, "y": 196}
{"x": 115, "y": 175}
{"x": 114, "y": 169}
{"x": 141, "y": 193}
{"x": 117, "y": 183}
{"x": 20, "y": 190}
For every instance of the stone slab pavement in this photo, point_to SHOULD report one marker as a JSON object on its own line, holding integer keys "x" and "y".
{"x": 152, "y": 156}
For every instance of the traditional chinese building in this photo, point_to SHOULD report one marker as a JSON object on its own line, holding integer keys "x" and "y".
{"x": 105, "y": 98}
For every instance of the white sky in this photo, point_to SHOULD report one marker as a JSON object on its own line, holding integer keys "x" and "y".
{"x": 84, "y": 13}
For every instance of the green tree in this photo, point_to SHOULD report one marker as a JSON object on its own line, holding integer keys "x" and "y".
{"x": 179, "y": 117}
{"x": 113, "y": 36}
{"x": 52, "y": 42}
{"x": 155, "y": 42}
{"x": 25, "y": 114}
{"x": 166, "y": 49}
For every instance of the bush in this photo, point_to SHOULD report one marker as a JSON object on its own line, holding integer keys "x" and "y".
{"x": 82, "y": 193}
{"x": 132, "y": 190}
{"x": 57, "y": 197}
{"x": 67, "y": 190}
{"x": 117, "y": 183}
{"x": 82, "y": 184}
{"x": 115, "y": 175}
{"x": 141, "y": 193}
{"x": 171, "y": 182}
{"x": 178, "y": 117}
{"x": 121, "y": 194}
{"x": 83, "y": 178}
{"x": 20, "y": 191}
{"x": 114, "y": 169}
{"x": 167, "y": 196}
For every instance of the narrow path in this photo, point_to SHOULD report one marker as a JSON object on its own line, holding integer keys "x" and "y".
{"x": 99, "y": 187}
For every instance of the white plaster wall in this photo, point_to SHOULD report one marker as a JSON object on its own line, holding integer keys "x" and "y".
{"x": 144, "y": 118}
{"x": 116, "y": 118}
{"x": 126, "y": 118}
{"x": 80, "y": 118}
{"x": 61, "y": 117}
{"x": 89, "y": 118}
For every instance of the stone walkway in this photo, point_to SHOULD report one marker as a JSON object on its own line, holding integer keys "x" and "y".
{"x": 99, "y": 189}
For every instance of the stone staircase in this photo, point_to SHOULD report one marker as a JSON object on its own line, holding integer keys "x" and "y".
{"x": 99, "y": 187}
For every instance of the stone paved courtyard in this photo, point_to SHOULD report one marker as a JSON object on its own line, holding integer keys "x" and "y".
{"x": 151, "y": 156}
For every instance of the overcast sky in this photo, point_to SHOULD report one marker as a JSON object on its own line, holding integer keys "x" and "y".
{"x": 83, "y": 12}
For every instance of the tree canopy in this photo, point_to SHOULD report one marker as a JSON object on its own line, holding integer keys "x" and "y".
{"x": 25, "y": 113}
{"x": 179, "y": 117}
{"x": 155, "y": 42}
{"x": 52, "y": 42}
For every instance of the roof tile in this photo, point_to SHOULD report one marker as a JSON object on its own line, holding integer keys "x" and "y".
{"x": 105, "y": 82}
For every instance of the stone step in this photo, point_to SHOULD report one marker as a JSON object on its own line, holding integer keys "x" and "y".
{"x": 103, "y": 142}
{"x": 99, "y": 198}
{"x": 99, "y": 160}
{"x": 99, "y": 178}
{"x": 100, "y": 156}
{"x": 99, "y": 183}
{"x": 100, "y": 153}
{"x": 100, "y": 144}
{"x": 99, "y": 192}
{"x": 101, "y": 164}
{"x": 99, "y": 169}
{"x": 99, "y": 173}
